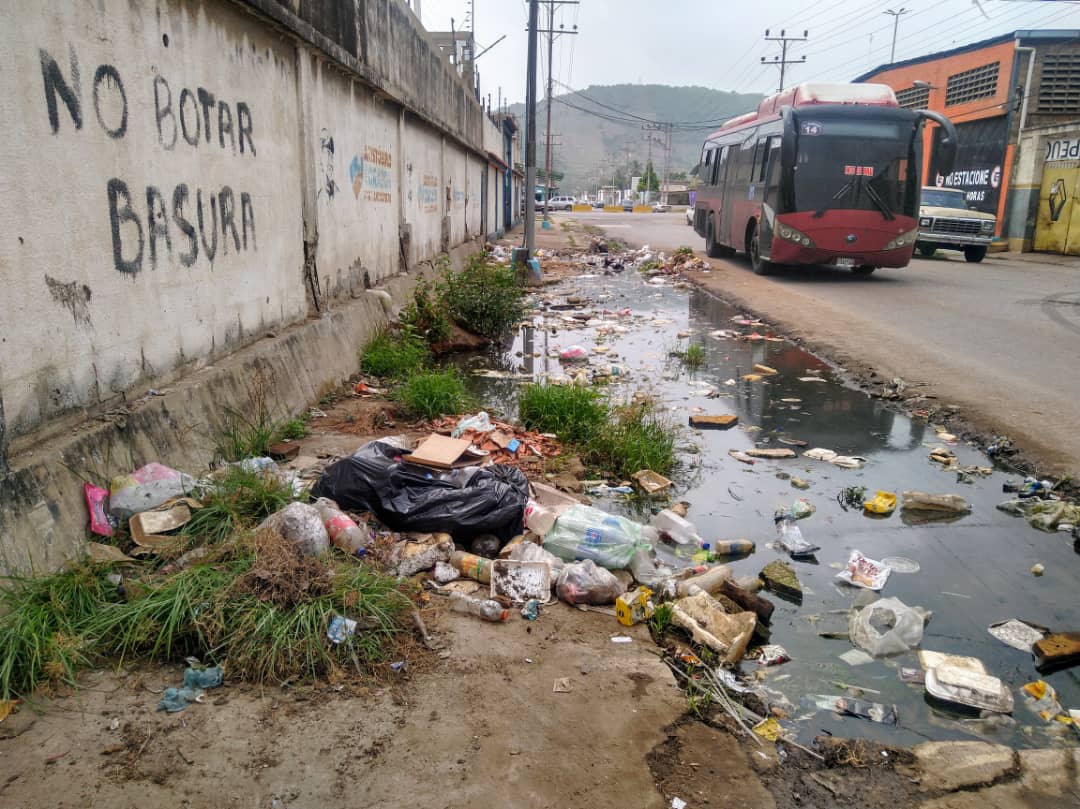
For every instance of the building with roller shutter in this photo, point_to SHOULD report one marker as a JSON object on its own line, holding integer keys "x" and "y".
{"x": 1015, "y": 100}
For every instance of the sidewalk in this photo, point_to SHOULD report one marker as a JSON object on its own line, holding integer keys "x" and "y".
{"x": 1055, "y": 259}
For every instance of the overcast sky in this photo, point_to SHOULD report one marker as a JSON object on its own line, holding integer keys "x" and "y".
{"x": 719, "y": 43}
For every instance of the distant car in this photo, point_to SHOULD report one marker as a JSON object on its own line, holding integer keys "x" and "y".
{"x": 598, "y": 204}
{"x": 946, "y": 223}
{"x": 690, "y": 217}
{"x": 561, "y": 203}
{"x": 628, "y": 205}
{"x": 661, "y": 207}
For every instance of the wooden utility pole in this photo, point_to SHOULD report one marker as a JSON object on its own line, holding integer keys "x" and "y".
{"x": 782, "y": 59}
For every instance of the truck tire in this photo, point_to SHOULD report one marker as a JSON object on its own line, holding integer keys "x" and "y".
{"x": 927, "y": 250}
{"x": 864, "y": 269}
{"x": 974, "y": 253}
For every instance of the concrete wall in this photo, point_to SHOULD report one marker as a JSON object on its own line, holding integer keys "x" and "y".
{"x": 185, "y": 178}
{"x": 1027, "y": 180}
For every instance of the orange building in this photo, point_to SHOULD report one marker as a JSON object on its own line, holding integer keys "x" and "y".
{"x": 994, "y": 91}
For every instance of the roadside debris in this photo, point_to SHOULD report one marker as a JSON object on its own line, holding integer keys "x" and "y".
{"x": 943, "y": 503}
{"x": 903, "y": 632}
{"x": 484, "y": 608}
{"x": 1018, "y": 634}
{"x": 196, "y": 681}
{"x": 863, "y": 572}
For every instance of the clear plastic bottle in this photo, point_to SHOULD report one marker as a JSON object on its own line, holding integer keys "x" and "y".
{"x": 539, "y": 519}
{"x": 484, "y": 608}
{"x": 344, "y": 533}
{"x": 681, "y": 530}
{"x": 472, "y": 566}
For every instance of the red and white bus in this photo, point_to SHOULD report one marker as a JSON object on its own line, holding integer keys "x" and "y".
{"x": 819, "y": 174}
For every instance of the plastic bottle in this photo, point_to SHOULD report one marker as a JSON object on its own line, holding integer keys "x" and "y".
{"x": 681, "y": 530}
{"x": 472, "y": 566}
{"x": 710, "y": 581}
{"x": 344, "y": 533}
{"x": 539, "y": 519}
{"x": 582, "y": 532}
{"x": 480, "y": 607}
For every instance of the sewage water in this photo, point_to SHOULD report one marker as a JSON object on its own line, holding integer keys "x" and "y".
{"x": 974, "y": 571}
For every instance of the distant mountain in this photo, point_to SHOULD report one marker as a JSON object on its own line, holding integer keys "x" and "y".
{"x": 605, "y": 121}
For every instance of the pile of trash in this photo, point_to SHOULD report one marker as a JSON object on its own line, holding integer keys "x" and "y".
{"x": 501, "y": 442}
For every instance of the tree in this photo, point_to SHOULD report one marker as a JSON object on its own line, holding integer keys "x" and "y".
{"x": 649, "y": 181}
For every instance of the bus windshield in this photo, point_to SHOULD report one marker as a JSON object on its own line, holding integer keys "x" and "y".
{"x": 854, "y": 165}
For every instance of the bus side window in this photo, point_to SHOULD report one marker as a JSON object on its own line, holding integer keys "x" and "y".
{"x": 761, "y": 155}
{"x": 719, "y": 165}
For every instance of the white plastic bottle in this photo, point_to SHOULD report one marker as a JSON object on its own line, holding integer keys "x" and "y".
{"x": 539, "y": 519}
{"x": 681, "y": 530}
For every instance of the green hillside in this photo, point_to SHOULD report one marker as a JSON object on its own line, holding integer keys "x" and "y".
{"x": 600, "y": 124}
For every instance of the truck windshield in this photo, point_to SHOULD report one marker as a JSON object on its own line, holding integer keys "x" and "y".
{"x": 939, "y": 198}
{"x": 854, "y": 165}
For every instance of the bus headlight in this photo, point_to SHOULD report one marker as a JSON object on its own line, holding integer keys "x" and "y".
{"x": 988, "y": 226}
{"x": 903, "y": 240}
{"x": 789, "y": 233}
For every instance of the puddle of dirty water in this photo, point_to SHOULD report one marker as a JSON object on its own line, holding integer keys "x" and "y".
{"x": 973, "y": 572}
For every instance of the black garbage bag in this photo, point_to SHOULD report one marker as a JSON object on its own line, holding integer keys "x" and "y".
{"x": 407, "y": 497}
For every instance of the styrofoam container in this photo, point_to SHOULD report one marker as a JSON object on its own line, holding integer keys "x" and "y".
{"x": 967, "y": 687}
{"x": 520, "y": 581}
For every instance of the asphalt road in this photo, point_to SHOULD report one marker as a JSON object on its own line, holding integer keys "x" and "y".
{"x": 1000, "y": 339}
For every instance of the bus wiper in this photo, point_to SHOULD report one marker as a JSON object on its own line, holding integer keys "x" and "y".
{"x": 839, "y": 195}
{"x": 875, "y": 197}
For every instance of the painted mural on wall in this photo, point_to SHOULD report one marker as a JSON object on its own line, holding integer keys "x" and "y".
{"x": 371, "y": 176}
{"x": 151, "y": 226}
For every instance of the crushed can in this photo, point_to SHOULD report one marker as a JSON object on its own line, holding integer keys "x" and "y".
{"x": 634, "y": 607}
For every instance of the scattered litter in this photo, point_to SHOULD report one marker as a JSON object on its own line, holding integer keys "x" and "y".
{"x": 1038, "y": 569}
{"x": 301, "y": 526}
{"x": 769, "y": 729}
{"x": 812, "y": 379}
{"x": 856, "y": 657}
{"x": 741, "y": 456}
{"x": 101, "y": 522}
{"x": 399, "y": 666}
{"x": 829, "y": 456}
{"x": 722, "y": 422}
{"x": 148, "y": 527}
{"x": 864, "y": 572}
{"x": 1018, "y": 634}
{"x": 1057, "y": 650}
{"x": 445, "y": 573}
{"x": 929, "y": 660}
{"x": 484, "y": 608}
{"x": 196, "y": 681}
{"x": 650, "y": 482}
{"x": 146, "y": 488}
{"x": 780, "y": 578}
{"x": 1041, "y": 698}
{"x": 903, "y": 627}
{"x": 799, "y": 483}
{"x": 562, "y": 686}
{"x": 480, "y": 423}
{"x": 634, "y": 607}
{"x": 340, "y": 628}
{"x": 531, "y": 611}
{"x": 921, "y": 501}
{"x": 586, "y": 583}
{"x": 772, "y": 655}
{"x": 765, "y": 369}
{"x": 709, "y": 624}
{"x": 792, "y": 541}
{"x": 105, "y": 554}
{"x": 901, "y": 564}
{"x": 771, "y": 453}
{"x": 883, "y": 503}
{"x": 678, "y": 803}
{"x": 621, "y": 639}
{"x": 874, "y": 711}
{"x": 573, "y": 354}
{"x": 584, "y": 532}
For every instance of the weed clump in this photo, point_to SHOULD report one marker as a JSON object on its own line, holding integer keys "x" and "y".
{"x": 693, "y": 357}
{"x": 393, "y": 355}
{"x": 634, "y": 438}
{"x": 250, "y": 436}
{"x": 426, "y": 315}
{"x": 575, "y": 414}
{"x": 239, "y": 499}
{"x": 434, "y": 393}
{"x": 484, "y": 298}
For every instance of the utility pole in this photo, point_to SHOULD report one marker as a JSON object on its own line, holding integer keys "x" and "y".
{"x": 552, "y": 33}
{"x": 551, "y": 145}
{"x": 530, "y": 134}
{"x": 782, "y": 59}
{"x": 666, "y": 144}
{"x": 895, "y": 14}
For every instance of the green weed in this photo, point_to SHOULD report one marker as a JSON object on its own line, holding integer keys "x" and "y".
{"x": 237, "y": 500}
{"x": 291, "y": 429}
{"x": 634, "y": 438}
{"x": 393, "y": 355}
{"x": 484, "y": 298}
{"x": 434, "y": 393}
{"x": 694, "y": 356}
{"x": 41, "y": 622}
{"x": 660, "y": 620}
{"x": 684, "y": 252}
{"x": 573, "y": 413}
{"x": 426, "y": 316}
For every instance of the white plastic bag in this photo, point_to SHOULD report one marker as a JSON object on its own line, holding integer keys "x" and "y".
{"x": 864, "y": 572}
{"x": 585, "y": 583}
{"x": 887, "y": 627}
{"x": 300, "y": 525}
{"x": 531, "y": 552}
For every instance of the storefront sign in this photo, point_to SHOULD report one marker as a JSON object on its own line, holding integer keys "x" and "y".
{"x": 980, "y": 159}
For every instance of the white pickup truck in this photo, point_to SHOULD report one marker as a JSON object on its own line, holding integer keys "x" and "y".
{"x": 946, "y": 223}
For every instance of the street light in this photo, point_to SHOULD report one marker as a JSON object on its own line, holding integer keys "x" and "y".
{"x": 896, "y": 24}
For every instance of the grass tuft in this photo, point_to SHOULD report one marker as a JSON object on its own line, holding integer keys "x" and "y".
{"x": 485, "y": 298}
{"x": 434, "y": 393}
{"x": 634, "y": 438}
{"x": 393, "y": 355}
{"x": 694, "y": 356}
{"x": 575, "y": 414}
{"x": 237, "y": 500}
{"x": 426, "y": 316}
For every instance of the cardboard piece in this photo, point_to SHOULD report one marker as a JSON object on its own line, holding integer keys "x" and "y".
{"x": 102, "y": 554}
{"x": 147, "y": 526}
{"x": 284, "y": 450}
{"x": 442, "y": 452}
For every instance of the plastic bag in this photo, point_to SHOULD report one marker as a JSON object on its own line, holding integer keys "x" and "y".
{"x": 583, "y": 532}
{"x": 462, "y": 503}
{"x": 864, "y": 572}
{"x": 300, "y": 525}
{"x": 146, "y": 488}
{"x": 887, "y": 627}
{"x": 921, "y": 501}
{"x": 573, "y": 354}
{"x": 480, "y": 423}
{"x": 100, "y": 522}
{"x": 792, "y": 541}
{"x": 585, "y": 583}
{"x": 531, "y": 552}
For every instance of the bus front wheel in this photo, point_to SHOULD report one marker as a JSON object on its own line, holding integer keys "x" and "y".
{"x": 864, "y": 269}
{"x": 713, "y": 248}
{"x": 753, "y": 249}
